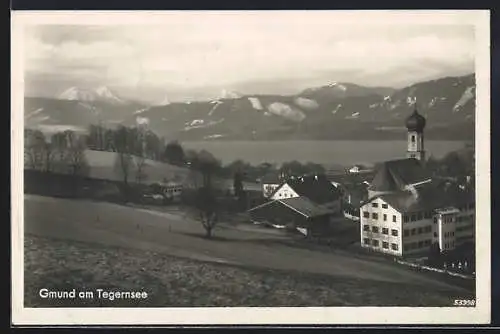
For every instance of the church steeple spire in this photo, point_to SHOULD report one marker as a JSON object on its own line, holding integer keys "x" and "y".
{"x": 415, "y": 124}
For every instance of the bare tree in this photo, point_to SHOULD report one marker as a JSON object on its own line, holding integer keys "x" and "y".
{"x": 60, "y": 146}
{"x": 206, "y": 204}
{"x": 34, "y": 148}
{"x": 76, "y": 158}
{"x": 124, "y": 146}
{"x": 140, "y": 164}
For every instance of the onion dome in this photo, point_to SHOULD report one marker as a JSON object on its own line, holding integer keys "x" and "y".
{"x": 415, "y": 122}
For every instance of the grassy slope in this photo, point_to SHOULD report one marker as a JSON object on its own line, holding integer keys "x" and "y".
{"x": 175, "y": 282}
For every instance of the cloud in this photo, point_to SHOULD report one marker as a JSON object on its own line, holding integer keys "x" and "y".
{"x": 202, "y": 50}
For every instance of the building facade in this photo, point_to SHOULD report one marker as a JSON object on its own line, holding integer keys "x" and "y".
{"x": 407, "y": 211}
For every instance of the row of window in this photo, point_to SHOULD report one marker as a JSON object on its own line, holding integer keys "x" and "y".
{"x": 417, "y": 245}
{"x": 376, "y": 243}
{"x": 385, "y": 230}
{"x": 384, "y": 206}
{"x": 417, "y": 216}
{"x": 449, "y": 245}
{"x": 449, "y": 234}
{"x": 366, "y": 214}
{"x": 420, "y": 230}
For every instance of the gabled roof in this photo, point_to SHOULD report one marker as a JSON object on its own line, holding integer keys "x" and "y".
{"x": 305, "y": 206}
{"x": 430, "y": 196}
{"x": 316, "y": 188}
{"x": 300, "y": 205}
{"x": 394, "y": 175}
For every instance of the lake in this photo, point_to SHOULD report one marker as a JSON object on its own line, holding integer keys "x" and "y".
{"x": 331, "y": 153}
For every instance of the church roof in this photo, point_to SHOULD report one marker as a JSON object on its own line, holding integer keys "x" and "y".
{"x": 427, "y": 197}
{"x": 394, "y": 175}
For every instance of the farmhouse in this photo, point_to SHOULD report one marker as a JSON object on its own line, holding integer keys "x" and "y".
{"x": 407, "y": 210}
{"x": 309, "y": 203}
{"x": 270, "y": 182}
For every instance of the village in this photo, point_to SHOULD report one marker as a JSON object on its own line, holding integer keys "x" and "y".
{"x": 401, "y": 209}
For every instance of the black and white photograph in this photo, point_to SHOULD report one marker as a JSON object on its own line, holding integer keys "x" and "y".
{"x": 251, "y": 167}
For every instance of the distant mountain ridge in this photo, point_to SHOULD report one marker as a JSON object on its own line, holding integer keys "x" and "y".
{"x": 333, "y": 111}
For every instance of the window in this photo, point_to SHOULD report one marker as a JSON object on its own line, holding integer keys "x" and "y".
{"x": 452, "y": 234}
{"x": 366, "y": 227}
{"x": 394, "y": 233}
{"x": 394, "y": 247}
{"x": 413, "y": 231}
{"x": 427, "y": 214}
{"x": 385, "y": 206}
{"x": 420, "y": 244}
{"x": 428, "y": 229}
{"x": 393, "y": 218}
{"x": 427, "y": 242}
{"x": 385, "y": 230}
{"x": 413, "y": 217}
{"x": 385, "y": 245}
{"x": 405, "y": 218}
{"x": 375, "y": 215}
{"x": 366, "y": 241}
{"x": 385, "y": 217}
{"x": 412, "y": 138}
{"x": 366, "y": 214}
{"x": 374, "y": 205}
{"x": 420, "y": 230}
{"x": 419, "y": 216}
{"x": 435, "y": 220}
{"x": 375, "y": 229}
{"x": 435, "y": 235}
{"x": 375, "y": 243}
{"x": 406, "y": 233}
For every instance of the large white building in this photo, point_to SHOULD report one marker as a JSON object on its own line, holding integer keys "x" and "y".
{"x": 407, "y": 210}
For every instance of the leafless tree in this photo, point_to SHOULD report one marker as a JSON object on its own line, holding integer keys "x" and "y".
{"x": 206, "y": 204}
{"x": 34, "y": 148}
{"x": 123, "y": 144}
{"x": 76, "y": 158}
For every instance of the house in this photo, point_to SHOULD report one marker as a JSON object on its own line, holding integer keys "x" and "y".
{"x": 307, "y": 203}
{"x": 316, "y": 188}
{"x": 407, "y": 210}
{"x": 270, "y": 182}
{"x": 293, "y": 213}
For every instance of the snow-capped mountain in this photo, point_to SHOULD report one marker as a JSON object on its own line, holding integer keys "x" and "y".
{"x": 100, "y": 94}
{"x": 327, "y": 112}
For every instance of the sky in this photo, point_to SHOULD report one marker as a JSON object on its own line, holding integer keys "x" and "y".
{"x": 197, "y": 55}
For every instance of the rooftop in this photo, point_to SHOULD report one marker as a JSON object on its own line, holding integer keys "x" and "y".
{"x": 316, "y": 188}
{"x": 394, "y": 175}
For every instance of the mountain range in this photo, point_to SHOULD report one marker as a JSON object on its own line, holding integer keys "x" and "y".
{"x": 336, "y": 110}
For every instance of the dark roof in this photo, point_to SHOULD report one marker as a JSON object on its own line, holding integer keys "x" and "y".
{"x": 300, "y": 205}
{"x": 429, "y": 196}
{"x": 316, "y": 188}
{"x": 394, "y": 175}
{"x": 305, "y": 206}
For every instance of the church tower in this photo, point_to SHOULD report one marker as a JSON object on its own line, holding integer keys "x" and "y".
{"x": 415, "y": 124}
